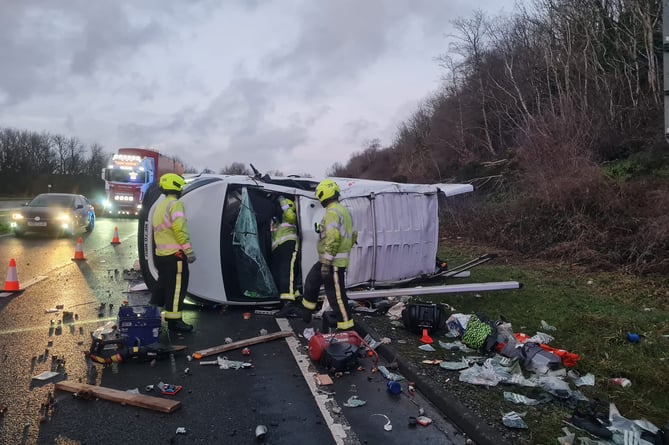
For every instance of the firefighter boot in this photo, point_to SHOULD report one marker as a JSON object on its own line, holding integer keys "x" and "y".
{"x": 294, "y": 310}
{"x": 179, "y": 325}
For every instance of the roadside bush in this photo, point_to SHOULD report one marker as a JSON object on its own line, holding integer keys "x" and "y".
{"x": 563, "y": 206}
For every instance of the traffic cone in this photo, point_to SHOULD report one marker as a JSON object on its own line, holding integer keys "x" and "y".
{"x": 12, "y": 281}
{"x": 79, "y": 251}
{"x": 426, "y": 338}
{"x": 115, "y": 239}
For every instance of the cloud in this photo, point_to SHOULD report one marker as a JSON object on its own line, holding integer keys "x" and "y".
{"x": 290, "y": 85}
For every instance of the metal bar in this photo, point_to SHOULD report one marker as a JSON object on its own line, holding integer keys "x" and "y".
{"x": 431, "y": 290}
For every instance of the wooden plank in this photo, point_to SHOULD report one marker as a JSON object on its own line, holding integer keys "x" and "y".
{"x": 241, "y": 344}
{"x": 123, "y": 397}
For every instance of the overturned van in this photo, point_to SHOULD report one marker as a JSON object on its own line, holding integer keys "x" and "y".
{"x": 229, "y": 219}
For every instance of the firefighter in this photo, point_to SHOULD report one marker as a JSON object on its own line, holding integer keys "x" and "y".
{"x": 173, "y": 252}
{"x": 336, "y": 239}
{"x": 284, "y": 250}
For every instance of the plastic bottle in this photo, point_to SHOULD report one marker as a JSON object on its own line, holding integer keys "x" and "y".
{"x": 621, "y": 381}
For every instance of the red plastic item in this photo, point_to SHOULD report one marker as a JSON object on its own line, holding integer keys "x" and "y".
{"x": 426, "y": 338}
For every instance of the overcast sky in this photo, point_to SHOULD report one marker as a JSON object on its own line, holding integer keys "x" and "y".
{"x": 288, "y": 85}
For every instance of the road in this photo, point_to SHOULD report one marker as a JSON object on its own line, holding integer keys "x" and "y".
{"x": 218, "y": 406}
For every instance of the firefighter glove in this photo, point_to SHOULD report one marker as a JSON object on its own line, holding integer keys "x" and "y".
{"x": 326, "y": 270}
{"x": 192, "y": 258}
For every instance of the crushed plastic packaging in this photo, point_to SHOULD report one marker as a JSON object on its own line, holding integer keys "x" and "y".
{"x": 513, "y": 419}
{"x": 480, "y": 375}
{"x": 427, "y": 348}
{"x": 520, "y": 399}
{"x": 568, "y": 438}
{"x": 308, "y": 333}
{"x": 546, "y": 327}
{"x": 456, "y": 324}
{"x": 133, "y": 391}
{"x": 389, "y": 375}
{"x": 581, "y": 380}
{"x": 455, "y": 366}
{"x": 181, "y": 430}
{"x": 354, "y": 402}
{"x": 455, "y": 346}
{"x": 423, "y": 420}
{"x": 224, "y": 363}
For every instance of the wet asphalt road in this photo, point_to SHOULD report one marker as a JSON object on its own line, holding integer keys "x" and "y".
{"x": 218, "y": 406}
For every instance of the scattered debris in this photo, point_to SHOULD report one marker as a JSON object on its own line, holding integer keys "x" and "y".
{"x": 323, "y": 379}
{"x": 168, "y": 389}
{"x": 514, "y": 420}
{"x": 261, "y": 432}
{"x": 388, "y": 426}
{"x": 181, "y": 430}
{"x": 240, "y": 344}
{"x": 545, "y": 326}
{"x": 46, "y": 375}
{"x": 143, "y": 401}
{"x": 354, "y": 402}
{"x": 423, "y": 420}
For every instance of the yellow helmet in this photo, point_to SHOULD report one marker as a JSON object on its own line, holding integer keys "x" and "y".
{"x": 326, "y": 190}
{"x": 286, "y": 203}
{"x": 172, "y": 181}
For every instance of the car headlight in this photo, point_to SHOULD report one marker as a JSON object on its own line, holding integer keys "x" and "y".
{"x": 64, "y": 217}
{"x": 17, "y": 216}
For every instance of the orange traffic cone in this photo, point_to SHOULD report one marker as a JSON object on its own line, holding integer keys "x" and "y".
{"x": 79, "y": 251}
{"x": 12, "y": 281}
{"x": 115, "y": 239}
{"x": 426, "y": 338}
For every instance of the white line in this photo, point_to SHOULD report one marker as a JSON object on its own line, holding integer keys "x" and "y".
{"x": 341, "y": 431}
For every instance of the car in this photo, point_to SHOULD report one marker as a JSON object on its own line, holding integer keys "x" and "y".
{"x": 229, "y": 219}
{"x": 54, "y": 213}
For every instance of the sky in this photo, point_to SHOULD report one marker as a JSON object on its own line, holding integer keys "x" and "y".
{"x": 290, "y": 86}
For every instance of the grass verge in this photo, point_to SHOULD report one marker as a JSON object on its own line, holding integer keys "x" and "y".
{"x": 592, "y": 313}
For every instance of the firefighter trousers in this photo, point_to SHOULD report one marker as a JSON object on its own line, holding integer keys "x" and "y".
{"x": 170, "y": 292}
{"x": 283, "y": 266}
{"x": 335, "y": 291}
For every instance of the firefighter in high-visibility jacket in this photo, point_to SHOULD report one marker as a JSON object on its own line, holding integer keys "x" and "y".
{"x": 284, "y": 250}
{"x": 173, "y": 252}
{"x": 336, "y": 239}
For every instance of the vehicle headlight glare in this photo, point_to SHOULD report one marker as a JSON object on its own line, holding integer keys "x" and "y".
{"x": 17, "y": 216}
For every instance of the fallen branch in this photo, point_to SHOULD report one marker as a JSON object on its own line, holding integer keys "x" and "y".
{"x": 240, "y": 344}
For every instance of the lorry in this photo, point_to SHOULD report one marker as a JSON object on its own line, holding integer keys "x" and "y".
{"x": 129, "y": 174}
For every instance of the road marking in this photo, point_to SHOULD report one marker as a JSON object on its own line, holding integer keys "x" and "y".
{"x": 26, "y": 285}
{"x": 341, "y": 431}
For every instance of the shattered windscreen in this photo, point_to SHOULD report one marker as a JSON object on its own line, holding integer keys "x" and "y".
{"x": 255, "y": 277}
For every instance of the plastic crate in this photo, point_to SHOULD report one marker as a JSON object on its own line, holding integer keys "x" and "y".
{"x": 139, "y": 325}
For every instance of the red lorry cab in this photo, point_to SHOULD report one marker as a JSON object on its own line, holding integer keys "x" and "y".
{"x": 129, "y": 174}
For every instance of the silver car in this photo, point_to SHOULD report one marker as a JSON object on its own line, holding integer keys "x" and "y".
{"x": 62, "y": 214}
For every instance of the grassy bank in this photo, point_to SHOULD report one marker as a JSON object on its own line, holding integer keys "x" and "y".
{"x": 592, "y": 313}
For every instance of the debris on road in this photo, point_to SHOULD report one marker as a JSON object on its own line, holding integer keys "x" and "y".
{"x": 140, "y": 400}
{"x": 240, "y": 344}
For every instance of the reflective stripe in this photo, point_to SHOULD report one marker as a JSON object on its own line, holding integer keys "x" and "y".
{"x": 277, "y": 242}
{"x": 287, "y": 297}
{"x": 175, "y": 314}
{"x": 327, "y": 257}
{"x": 308, "y": 304}
{"x": 345, "y": 324}
{"x": 173, "y": 246}
{"x": 338, "y": 296}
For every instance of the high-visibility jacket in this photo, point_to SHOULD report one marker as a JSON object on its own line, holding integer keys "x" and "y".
{"x": 170, "y": 232}
{"x": 336, "y": 236}
{"x": 286, "y": 230}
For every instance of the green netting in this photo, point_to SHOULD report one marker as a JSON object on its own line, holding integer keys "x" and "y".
{"x": 255, "y": 278}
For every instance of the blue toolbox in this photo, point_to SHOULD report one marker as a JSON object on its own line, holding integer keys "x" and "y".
{"x": 139, "y": 325}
